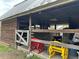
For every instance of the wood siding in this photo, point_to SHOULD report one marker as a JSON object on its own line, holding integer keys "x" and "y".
{"x": 8, "y": 31}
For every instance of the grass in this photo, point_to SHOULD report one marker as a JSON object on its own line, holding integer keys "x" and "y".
{"x": 4, "y": 48}
{"x": 34, "y": 57}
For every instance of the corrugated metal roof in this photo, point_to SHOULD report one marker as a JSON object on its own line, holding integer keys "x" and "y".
{"x": 29, "y": 5}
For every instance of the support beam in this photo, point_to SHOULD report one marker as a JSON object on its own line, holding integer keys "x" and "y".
{"x": 29, "y": 42}
{"x": 71, "y": 46}
{"x": 15, "y": 40}
{"x": 56, "y": 31}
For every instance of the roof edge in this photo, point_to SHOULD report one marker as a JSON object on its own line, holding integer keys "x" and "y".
{"x": 41, "y": 8}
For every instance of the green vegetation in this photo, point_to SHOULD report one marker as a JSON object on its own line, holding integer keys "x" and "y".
{"x": 34, "y": 57}
{"x": 4, "y": 48}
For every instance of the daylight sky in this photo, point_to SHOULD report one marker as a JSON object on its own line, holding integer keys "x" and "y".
{"x": 5, "y": 5}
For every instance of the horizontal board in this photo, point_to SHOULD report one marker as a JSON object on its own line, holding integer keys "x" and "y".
{"x": 56, "y": 31}
{"x": 70, "y": 46}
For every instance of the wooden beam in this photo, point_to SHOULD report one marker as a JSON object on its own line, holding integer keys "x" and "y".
{"x": 21, "y": 42}
{"x": 29, "y": 41}
{"x": 22, "y": 31}
{"x": 15, "y": 40}
{"x": 70, "y": 46}
{"x": 56, "y": 31}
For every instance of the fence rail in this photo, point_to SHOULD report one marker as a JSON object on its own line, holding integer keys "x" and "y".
{"x": 71, "y": 46}
{"x": 56, "y": 31}
{"x": 19, "y": 37}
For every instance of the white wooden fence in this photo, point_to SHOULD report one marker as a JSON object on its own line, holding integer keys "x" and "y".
{"x": 20, "y": 38}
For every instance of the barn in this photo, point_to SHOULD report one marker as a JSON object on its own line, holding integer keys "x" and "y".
{"x": 41, "y": 19}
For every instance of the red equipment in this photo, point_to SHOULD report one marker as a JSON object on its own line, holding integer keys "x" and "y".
{"x": 37, "y": 46}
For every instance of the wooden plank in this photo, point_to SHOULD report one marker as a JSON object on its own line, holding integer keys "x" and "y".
{"x": 21, "y": 36}
{"x": 21, "y": 42}
{"x": 29, "y": 41}
{"x": 22, "y": 31}
{"x": 71, "y": 46}
{"x": 27, "y": 38}
{"x": 56, "y": 31}
{"x": 15, "y": 40}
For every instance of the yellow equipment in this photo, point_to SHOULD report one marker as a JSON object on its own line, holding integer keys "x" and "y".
{"x": 56, "y": 49}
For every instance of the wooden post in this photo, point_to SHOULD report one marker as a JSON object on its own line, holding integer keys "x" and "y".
{"x": 15, "y": 40}
{"x": 29, "y": 42}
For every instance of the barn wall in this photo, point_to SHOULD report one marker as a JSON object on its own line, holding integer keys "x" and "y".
{"x": 8, "y": 31}
{"x": 0, "y": 29}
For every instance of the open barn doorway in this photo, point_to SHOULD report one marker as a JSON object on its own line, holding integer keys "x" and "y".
{"x": 51, "y": 20}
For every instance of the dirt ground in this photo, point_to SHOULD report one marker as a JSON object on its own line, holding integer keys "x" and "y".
{"x": 12, "y": 55}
